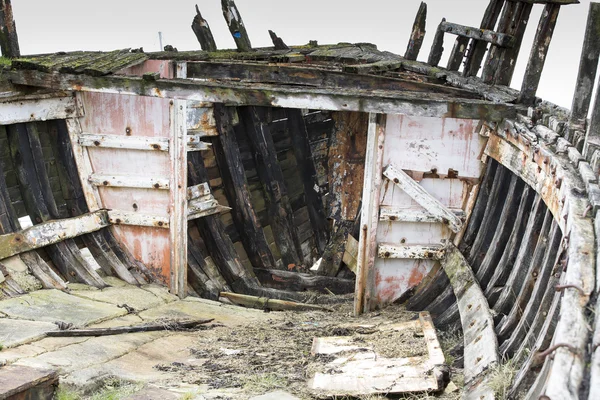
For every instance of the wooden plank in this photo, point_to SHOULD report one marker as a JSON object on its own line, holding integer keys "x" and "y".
{"x": 539, "y": 51}
{"x": 265, "y": 303}
{"x": 417, "y": 34}
{"x": 458, "y": 53}
{"x": 430, "y": 252}
{"x": 147, "y": 143}
{"x": 84, "y": 166}
{"x": 348, "y": 99}
{"x": 394, "y": 213}
{"x": 351, "y": 253}
{"x": 478, "y": 48}
{"x": 437, "y": 48}
{"x": 299, "y": 282}
{"x": 588, "y": 65}
{"x": 178, "y": 202}
{"x": 22, "y": 382}
{"x": 203, "y": 33}
{"x": 123, "y": 181}
{"x": 118, "y": 217}
{"x": 436, "y": 355}
{"x": 370, "y": 211}
{"x": 420, "y": 195}
{"x": 51, "y": 232}
{"x": 198, "y": 191}
{"x": 9, "y": 40}
{"x": 277, "y": 41}
{"x": 486, "y": 35}
{"x": 38, "y": 110}
{"x": 236, "y": 25}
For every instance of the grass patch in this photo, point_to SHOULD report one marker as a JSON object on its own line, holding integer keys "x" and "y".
{"x": 501, "y": 378}
{"x": 262, "y": 383}
{"x": 5, "y": 61}
{"x": 66, "y": 394}
{"x": 115, "y": 389}
{"x": 449, "y": 340}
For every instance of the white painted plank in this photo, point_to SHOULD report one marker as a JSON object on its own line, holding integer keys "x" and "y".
{"x": 418, "y": 252}
{"x": 421, "y": 196}
{"x": 38, "y": 110}
{"x": 197, "y": 191}
{"x": 400, "y": 214}
{"x": 195, "y": 144}
{"x": 140, "y": 182}
{"x": 124, "y": 142}
{"x": 118, "y": 217}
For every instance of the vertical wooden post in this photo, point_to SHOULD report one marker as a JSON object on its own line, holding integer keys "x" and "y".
{"x": 458, "y": 53}
{"x": 478, "y": 47}
{"x": 437, "y": 48}
{"x": 587, "y": 67}
{"x": 418, "y": 33}
{"x": 9, "y": 41}
{"x": 236, "y": 25}
{"x": 178, "y": 198}
{"x": 367, "y": 248}
{"x": 539, "y": 51}
{"x": 203, "y": 33}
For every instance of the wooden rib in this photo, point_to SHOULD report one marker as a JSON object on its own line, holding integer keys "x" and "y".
{"x": 9, "y": 40}
{"x": 421, "y": 196}
{"x": 269, "y": 171}
{"x": 417, "y": 34}
{"x": 437, "y": 48}
{"x": 432, "y": 286}
{"x": 477, "y": 48}
{"x": 203, "y": 33}
{"x": 537, "y": 58}
{"x": 236, "y": 25}
{"x": 458, "y": 53}
{"x": 302, "y": 150}
{"x": 277, "y": 41}
{"x": 486, "y": 35}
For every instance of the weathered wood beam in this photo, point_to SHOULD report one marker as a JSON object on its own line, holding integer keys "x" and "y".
{"x": 386, "y": 102}
{"x": 117, "y": 217}
{"x": 417, "y": 252}
{"x": 316, "y": 211}
{"x": 539, "y": 51}
{"x": 119, "y": 330}
{"x": 9, "y": 41}
{"x": 418, "y": 33}
{"x": 486, "y": 35}
{"x": 397, "y": 214}
{"x": 587, "y": 66}
{"x": 458, "y": 53}
{"x": 203, "y": 33}
{"x": 233, "y": 174}
{"x": 124, "y": 142}
{"x": 277, "y": 41}
{"x": 478, "y": 48}
{"x": 298, "y": 282}
{"x": 236, "y": 25}
{"x": 140, "y": 182}
{"x": 421, "y": 196}
{"x": 51, "y": 232}
{"x": 38, "y": 110}
{"x": 437, "y": 48}
{"x": 281, "y": 215}
{"x": 265, "y": 303}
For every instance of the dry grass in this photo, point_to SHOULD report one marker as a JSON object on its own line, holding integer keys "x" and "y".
{"x": 501, "y": 378}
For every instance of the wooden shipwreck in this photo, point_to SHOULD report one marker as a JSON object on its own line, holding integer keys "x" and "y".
{"x": 272, "y": 172}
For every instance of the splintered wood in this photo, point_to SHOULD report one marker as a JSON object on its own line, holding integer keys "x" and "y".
{"x": 363, "y": 367}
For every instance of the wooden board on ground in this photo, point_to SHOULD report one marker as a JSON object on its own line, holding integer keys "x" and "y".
{"x": 363, "y": 368}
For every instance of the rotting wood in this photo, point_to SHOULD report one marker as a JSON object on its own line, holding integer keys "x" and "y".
{"x": 437, "y": 48}
{"x": 236, "y": 25}
{"x": 478, "y": 48}
{"x": 233, "y": 93}
{"x": 9, "y": 41}
{"x": 38, "y": 110}
{"x": 398, "y": 214}
{"x": 588, "y": 65}
{"x": 118, "y": 217}
{"x": 417, "y": 34}
{"x": 23, "y": 382}
{"x": 265, "y": 303}
{"x": 124, "y": 181}
{"x": 495, "y": 38}
{"x": 277, "y": 41}
{"x": 304, "y": 157}
{"x": 198, "y": 191}
{"x": 238, "y": 194}
{"x": 537, "y": 58}
{"x": 203, "y": 33}
{"x": 51, "y": 232}
{"x": 458, "y": 53}
{"x": 299, "y": 282}
{"x": 334, "y": 251}
{"x": 417, "y": 252}
{"x": 281, "y": 215}
{"x": 119, "y": 330}
{"x": 420, "y": 195}
{"x": 124, "y": 142}
{"x": 351, "y": 253}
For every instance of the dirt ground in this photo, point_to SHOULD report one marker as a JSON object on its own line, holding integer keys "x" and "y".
{"x": 276, "y": 355}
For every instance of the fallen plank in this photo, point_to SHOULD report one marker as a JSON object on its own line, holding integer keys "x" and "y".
{"x": 160, "y": 326}
{"x": 298, "y": 282}
{"x": 265, "y": 303}
{"x": 21, "y": 382}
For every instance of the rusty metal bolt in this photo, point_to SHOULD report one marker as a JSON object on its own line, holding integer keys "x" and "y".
{"x": 128, "y": 131}
{"x": 387, "y": 254}
{"x": 96, "y": 143}
{"x": 105, "y": 183}
{"x": 396, "y": 180}
{"x": 156, "y": 185}
{"x": 118, "y": 221}
{"x": 156, "y": 146}
{"x": 160, "y": 223}
{"x": 392, "y": 218}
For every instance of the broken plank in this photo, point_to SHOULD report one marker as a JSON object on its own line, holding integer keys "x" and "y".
{"x": 119, "y": 330}
{"x": 421, "y": 196}
{"x": 417, "y": 34}
{"x": 50, "y": 232}
{"x": 486, "y": 35}
{"x": 198, "y": 191}
{"x": 277, "y": 41}
{"x": 139, "y": 182}
{"x": 350, "y": 257}
{"x": 391, "y": 213}
{"x": 265, "y": 303}
{"x": 417, "y": 252}
{"x": 203, "y": 33}
{"x": 478, "y": 48}
{"x": 236, "y": 25}
{"x": 437, "y": 48}
{"x": 299, "y": 282}
{"x": 458, "y": 53}
{"x": 38, "y": 110}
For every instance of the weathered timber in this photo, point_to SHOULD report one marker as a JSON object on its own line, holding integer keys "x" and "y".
{"x": 478, "y": 48}
{"x": 198, "y": 281}
{"x": 537, "y": 58}
{"x": 298, "y": 282}
{"x": 52, "y": 232}
{"x": 437, "y": 48}
{"x": 9, "y": 41}
{"x": 203, "y": 33}
{"x": 22, "y": 382}
{"x": 458, "y": 53}
{"x": 588, "y": 65}
{"x": 128, "y": 181}
{"x": 236, "y": 25}
{"x": 273, "y": 95}
{"x": 417, "y": 34}
{"x": 265, "y": 303}
{"x": 336, "y": 247}
{"x": 421, "y": 196}
{"x": 392, "y": 213}
{"x": 124, "y": 142}
{"x": 429, "y": 252}
{"x": 281, "y": 215}
{"x": 304, "y": 157}
{"x": 30, "y": 110}
{"x": 277, "y": 41}
{"x": 486, "y": 35}
{"x": 118, "y": 217}
{"x": 119, "y": 330}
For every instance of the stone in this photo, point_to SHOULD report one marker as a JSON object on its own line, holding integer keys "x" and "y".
{"x": 27, "y": 383}
{"x": 54, "y": 305}
{"x": 133, "y": 296}
{"x": 278, "y": 395}
{"x": 153, "y": 393}
{"x": 14, "y": 332}
{"x": 161, "y": 292}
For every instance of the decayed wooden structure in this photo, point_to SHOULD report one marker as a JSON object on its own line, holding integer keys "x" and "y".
{"x": 273, "y": 171}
